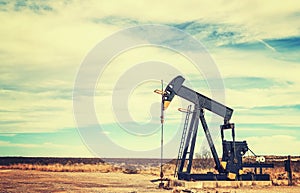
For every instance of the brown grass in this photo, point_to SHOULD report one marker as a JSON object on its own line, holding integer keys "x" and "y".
{"x": 104, "y": 168}
{"x": 278, "y": 174}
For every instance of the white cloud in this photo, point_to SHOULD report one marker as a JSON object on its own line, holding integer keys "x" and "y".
{"x": 34, "y": 112}
{"x": 22, "y": 145}
{"x": 275, "y": 144}
{"x": 7, "y": 134}
{"x": 260, "y": 19}
{"x": 55, "y": 149}
{"x": 282, "y": 76}
{"x": 141, "y": 96}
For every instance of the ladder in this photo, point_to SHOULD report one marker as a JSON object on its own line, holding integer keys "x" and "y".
{"x": 181, "y": 146}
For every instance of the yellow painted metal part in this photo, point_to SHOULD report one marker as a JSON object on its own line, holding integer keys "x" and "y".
{"x": 166, "y": 104}
{"x": 241, "y": 172}
{"x": 223, "y": 164}
{"x": 231, "y": 176}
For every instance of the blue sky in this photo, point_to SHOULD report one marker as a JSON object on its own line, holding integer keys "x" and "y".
{"x": 43, "y": 43}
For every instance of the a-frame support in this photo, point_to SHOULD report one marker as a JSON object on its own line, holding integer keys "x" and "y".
{"x": 190, "y": 142}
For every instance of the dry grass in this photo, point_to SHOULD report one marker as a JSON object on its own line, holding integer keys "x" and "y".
{"x": 168, "y": 169}
{"x": 278, "y": 175}
{"x": 103, "y": 168}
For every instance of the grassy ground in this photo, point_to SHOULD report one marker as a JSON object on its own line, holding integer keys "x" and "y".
{"x": 278, "y": 175}
{"x": 41, "y": 181}
{"x": 104, "y": 177}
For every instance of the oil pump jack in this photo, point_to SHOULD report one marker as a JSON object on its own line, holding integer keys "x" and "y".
{"x": 231, "y": 165}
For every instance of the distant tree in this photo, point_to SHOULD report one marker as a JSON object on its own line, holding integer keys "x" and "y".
{"x": 130, "y": 169}
{"x": 203, "y": 160}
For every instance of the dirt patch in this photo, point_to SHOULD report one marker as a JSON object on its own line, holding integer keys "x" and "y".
{"x": 41, "y": 181}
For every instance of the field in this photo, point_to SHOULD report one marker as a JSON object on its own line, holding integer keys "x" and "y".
{"x": 114, "y": 175}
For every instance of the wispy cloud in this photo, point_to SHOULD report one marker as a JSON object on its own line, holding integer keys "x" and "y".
{"x": 263, "y": 145}
{"x": 9, "y": 144}
{"x": 267, "y": 45}
{"x": 117, "y": 21}
{"x": 246, "y": 83}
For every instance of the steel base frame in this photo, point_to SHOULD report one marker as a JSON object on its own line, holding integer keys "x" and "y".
{"x": 222, "y": 177}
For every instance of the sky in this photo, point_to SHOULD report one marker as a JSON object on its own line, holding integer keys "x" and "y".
{"x": 254, "y": 46}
